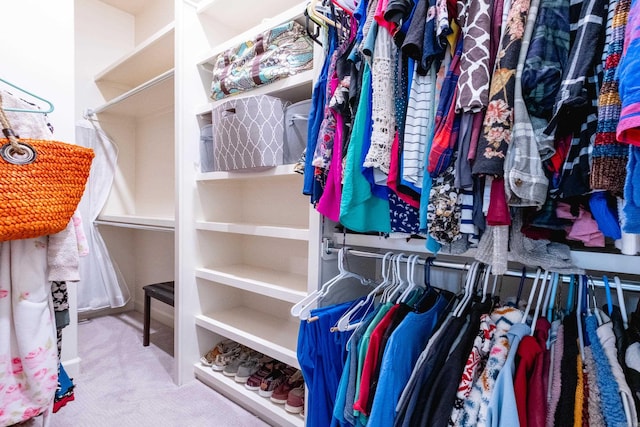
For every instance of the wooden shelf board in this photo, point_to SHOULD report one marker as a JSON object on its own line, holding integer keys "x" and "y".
{"x": 153, "y": 96}
{"x": 268, "y": 334}
{"x": 152, "y": 57}
{"x": 279, "y": 232}
{"x": 251, "y": 400}
{"x": 274, "y": 284}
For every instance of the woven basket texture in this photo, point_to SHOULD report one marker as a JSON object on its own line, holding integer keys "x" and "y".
{"x": 38, "y": 199}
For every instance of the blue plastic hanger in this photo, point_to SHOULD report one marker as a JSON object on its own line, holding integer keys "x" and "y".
{"x": 24, "y": 110}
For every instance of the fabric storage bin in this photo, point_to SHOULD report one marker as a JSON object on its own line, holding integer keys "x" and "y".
{"x": 248, "y": 132}
{"x": 272, "y": 55}
{"x": 296, "y": 118}
{"x": 206, "y": 148}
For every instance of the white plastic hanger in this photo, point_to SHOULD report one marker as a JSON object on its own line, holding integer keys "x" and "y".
{"x": 541, "y": 295}
{"x": 485, "y": 285}
{"x": 469, "y": 289}
{"x": 621, "y": 302}
{"x": 552, "y": 300}
{"x": 399, "y": 282}
{"x": 582, "y": 288}
{"x": 531, "y": 295}
{"x": 344, "y": 323}
{"x": 411, "y": 268}
{"x": 303, "y": 308}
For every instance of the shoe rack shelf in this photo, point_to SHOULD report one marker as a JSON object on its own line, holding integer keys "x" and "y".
{"x": 266, "y": 333}
{"x": 262, "y": 406}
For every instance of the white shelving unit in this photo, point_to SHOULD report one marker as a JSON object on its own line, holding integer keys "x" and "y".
{"x": 136, "y": 109}
{"x": 247, "y": 237}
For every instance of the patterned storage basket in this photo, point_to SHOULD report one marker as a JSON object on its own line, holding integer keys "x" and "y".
{"x": 248, "y": 133}
{"x": 272, "y": 55}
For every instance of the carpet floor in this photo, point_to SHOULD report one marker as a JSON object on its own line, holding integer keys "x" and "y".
{"x": 124, "y": 384}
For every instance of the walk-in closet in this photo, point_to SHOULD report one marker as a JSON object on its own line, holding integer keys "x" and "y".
{"x": 325, "y": 213}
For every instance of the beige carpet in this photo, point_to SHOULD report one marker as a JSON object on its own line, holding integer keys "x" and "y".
{"x": 125, "y": 384}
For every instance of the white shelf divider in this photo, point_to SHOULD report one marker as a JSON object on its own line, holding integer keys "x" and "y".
{"x": 274, "y": 284}
{"x": 268, "y": 334}
{"x": 251, "y": 400}
{"x": 280, "y": 232}
{"x": 152, "y": 57}
{"x": 150, "y": 97}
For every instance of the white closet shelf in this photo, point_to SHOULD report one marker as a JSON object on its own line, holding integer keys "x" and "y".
{"x": 280, "y": 232}
{"x": 277, "y": 171}
{"x": 151, "y": 97}
{"x": 236, "y": 8}
{"x": 150, "y": 58}
{"x": 137, "y": 222}
{"x": 274, "y": 284}
{"x": 260, "y": 331}
{"x": 261, "y": 406}
{"x": 294, "y": 88}
{"x": 615, "y": 263}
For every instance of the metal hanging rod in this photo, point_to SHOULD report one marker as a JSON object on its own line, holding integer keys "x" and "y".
{"x": 632, "y": 286}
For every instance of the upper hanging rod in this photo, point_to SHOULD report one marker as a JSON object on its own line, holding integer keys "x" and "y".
{"x": 465, "y": 266}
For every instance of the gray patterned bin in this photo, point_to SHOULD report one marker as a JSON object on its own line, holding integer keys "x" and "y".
{"x": 248, "y": 133}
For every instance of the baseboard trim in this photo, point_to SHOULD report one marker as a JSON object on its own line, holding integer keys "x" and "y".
{"x": 162, "y": 317}
{"x": 72, "y": 367}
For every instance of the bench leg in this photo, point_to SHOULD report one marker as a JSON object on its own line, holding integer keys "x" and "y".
{"x": 147, "y": 320}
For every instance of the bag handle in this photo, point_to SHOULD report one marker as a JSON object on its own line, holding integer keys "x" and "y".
{"x": 14, "y": 152}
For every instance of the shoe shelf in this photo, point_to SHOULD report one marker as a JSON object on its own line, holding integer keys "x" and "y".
{"x": 263, "y": 281}
{"x": 261, "y": 406}
{"x": 152, "y": 57}
{"x": 266, "y": 333}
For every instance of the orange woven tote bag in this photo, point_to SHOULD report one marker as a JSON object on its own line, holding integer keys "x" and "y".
{"x": 41, "y": 184}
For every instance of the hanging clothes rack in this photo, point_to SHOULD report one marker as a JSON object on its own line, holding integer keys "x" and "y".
{"x": 629, "y": 286}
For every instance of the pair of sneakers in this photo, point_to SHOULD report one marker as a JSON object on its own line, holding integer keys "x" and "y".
{"x": 216, "y": 352}
{"x": 244, "y": 366}
{"x": 281, "y": 393}
{"x": 275, "y": 379}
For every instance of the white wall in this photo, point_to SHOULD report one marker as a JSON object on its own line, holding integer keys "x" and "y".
{"x": 38, "y": 54}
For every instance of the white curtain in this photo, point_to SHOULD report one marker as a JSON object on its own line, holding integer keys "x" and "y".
{"x": 102, "y": 284}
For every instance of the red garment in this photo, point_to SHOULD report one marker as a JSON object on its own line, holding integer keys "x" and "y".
{"x": 371, "y": 361}
{"x": 537, "y": 393}
{"x": 498, "y": 213}
{"x": 526, "y": 355}
{"x": 392, "y": 181}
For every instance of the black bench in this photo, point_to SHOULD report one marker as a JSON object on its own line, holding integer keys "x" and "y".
{"x": 164, "y": 292}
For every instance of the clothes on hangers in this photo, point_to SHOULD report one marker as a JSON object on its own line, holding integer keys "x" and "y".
{"x": 440, "y": 100}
